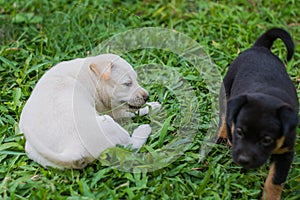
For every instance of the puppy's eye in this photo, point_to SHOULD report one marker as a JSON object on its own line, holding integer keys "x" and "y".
{"x": 239, "y": 132}
{"x": 267, "y": 140}
{"x": 127, "y": 84}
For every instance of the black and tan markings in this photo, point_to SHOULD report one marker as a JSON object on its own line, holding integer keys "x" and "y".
{"x": 261, "y": 112}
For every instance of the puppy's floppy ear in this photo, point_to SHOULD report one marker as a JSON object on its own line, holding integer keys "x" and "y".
{"x": 233, "y": 107}
{"x": 288, "y": 119}
{"x": 102, "y": 69}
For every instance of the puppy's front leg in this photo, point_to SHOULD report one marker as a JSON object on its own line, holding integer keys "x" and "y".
{"x": 146, "y": 110}
{"x": 141, "y": 112}
{"x": 121, "y": 115}
{"x": 140, "y": 135}
{"x": 279, "y": 169}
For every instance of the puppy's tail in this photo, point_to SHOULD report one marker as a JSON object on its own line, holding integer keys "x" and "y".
{"x": 268, "y": 38}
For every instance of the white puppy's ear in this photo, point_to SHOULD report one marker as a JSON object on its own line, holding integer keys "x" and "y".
{"x": 102, "y": 69}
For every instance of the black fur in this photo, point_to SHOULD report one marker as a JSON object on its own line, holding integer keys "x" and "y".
{"x": 262, "y": 106}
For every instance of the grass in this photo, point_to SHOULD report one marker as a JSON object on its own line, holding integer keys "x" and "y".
{"x": 35, "y": 35}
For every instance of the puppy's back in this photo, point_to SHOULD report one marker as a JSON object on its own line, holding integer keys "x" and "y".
{"x": 258, "y": 70}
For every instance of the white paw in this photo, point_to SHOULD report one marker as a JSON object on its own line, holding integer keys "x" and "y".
{"x": 140, "y": 136}
{"x": 149, "y": 106}
{"x": 143, "y": 131}
{"x": 154, "y": 105}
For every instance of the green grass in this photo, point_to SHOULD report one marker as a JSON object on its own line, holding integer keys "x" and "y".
{"x": 35, "y": 35}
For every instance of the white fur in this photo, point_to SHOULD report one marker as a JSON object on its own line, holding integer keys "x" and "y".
{"x": 61, "y": 120}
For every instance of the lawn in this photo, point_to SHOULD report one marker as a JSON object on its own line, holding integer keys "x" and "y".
{"x": 35, "y": 35}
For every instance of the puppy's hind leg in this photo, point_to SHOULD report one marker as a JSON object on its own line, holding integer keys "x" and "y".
{"x": 80, "y": 164}
{"x": 140, "y": 136}
{"x": 222, "y": 134}
{"x": 36, "y": 156}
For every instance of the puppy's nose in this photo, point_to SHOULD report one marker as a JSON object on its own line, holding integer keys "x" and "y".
{"x": 244, "y": 160}
{"x": 146, "y": 97}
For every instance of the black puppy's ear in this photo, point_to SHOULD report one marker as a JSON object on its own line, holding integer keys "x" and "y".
{"x": 288, "y": 119}
{"x": 233, "y": 107}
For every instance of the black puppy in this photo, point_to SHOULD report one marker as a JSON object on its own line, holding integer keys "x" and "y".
{"x": 259, "y": 110}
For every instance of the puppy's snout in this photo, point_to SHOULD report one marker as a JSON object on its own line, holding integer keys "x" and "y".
{"x": 146, "y": 97}
{"x": 244, "y": 160}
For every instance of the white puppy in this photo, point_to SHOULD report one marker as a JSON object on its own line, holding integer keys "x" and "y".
{"x": 69, "y": 118}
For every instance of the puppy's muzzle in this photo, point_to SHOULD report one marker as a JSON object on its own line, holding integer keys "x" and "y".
{"x": 244, "y": 160}
{"x": 145, "y": 97}
{"x": 137, "y": 100}
{"x": 248, "y": 161}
